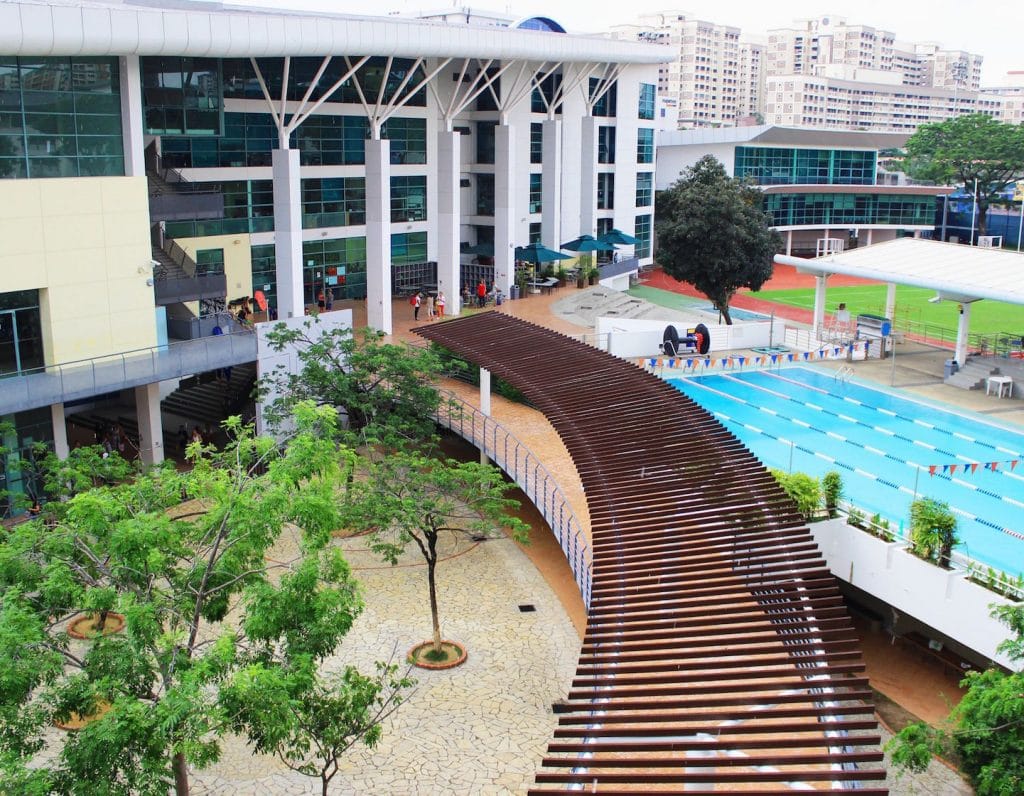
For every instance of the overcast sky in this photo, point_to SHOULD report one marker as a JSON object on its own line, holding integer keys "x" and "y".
{"x": 994, "y": 29}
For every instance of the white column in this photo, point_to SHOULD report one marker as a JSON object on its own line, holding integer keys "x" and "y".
{"x": 60, "y": 431}
{"x": 291, "y": 300}
{"x": 131, "y": 116}
{"x": 789, "y": 242}
{"x": 819, "y": 304}
{"x": 448, "y": 212}
{"x": 551, "y": 191}
{"x": 890, "y": 300}
{"x": 963, "y": 328}
{"x": 485, "y": 391}
{"x": 378, "y": 234}
{"x": 151, "y": 430}
{"x": 870, "y": 236}
{"x": 504, "y": 207}
{"x": 588, "y": 178}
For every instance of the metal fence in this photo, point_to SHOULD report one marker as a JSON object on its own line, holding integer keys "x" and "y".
{"x": 523, "y": 467}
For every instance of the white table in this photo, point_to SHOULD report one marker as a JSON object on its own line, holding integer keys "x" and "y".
{"x": 999, "y": 382}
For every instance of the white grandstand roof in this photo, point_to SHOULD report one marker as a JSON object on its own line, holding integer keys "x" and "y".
{"x": 173, "y": 27}
{"x": 955, "y": 271}
{"x": 778, "y": 135}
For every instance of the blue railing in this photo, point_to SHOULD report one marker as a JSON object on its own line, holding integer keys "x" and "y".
{"x": 523, "y": 467}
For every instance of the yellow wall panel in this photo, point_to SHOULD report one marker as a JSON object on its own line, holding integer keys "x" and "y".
{"x": 20, "y": 236}
{"x": 20, "y": 199}
{"x": 237, "y": 259}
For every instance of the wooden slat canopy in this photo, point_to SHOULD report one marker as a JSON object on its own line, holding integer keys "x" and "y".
{"x": 718, "y": 654}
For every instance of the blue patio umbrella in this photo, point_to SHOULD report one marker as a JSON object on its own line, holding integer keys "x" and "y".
{"x": 588, "y": 243}
{"x": 618, "y": 238}
{"x": 537, "y": 253}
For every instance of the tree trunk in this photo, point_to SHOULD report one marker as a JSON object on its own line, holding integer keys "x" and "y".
{"x": 180, "y": 775}
{"x": 982, "y": 213}
{"x": 724, "y": 309}
{"x": 431, "y": 581}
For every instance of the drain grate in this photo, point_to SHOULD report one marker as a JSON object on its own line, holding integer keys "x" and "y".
{"x": 527, "y": 609}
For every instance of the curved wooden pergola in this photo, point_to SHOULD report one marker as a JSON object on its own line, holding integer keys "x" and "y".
{"x": 718, "y": 654}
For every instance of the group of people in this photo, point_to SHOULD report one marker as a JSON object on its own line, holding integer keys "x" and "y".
{"x": 434, "y": 306}
{"x": 203, "y": 435}
{"x": 482, "y": 293}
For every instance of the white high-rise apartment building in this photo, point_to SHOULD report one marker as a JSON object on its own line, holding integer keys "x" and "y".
{"x": 827, "y": 40}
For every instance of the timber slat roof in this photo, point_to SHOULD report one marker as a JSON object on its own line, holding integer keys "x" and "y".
{"x": 718, "y": 654}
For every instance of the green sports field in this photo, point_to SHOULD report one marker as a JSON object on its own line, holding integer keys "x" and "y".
{"x": 913, "y": 310}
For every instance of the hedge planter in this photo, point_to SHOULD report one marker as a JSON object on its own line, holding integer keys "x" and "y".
{"x": 452, "y": 654}
{"x": 87, "y": 625}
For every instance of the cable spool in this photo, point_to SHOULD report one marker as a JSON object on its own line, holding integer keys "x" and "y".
{"x": 702, "y": 338}
{"x": 670, "y": 341}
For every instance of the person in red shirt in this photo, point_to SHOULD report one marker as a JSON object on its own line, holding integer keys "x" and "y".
{"x": 481, "y": 294}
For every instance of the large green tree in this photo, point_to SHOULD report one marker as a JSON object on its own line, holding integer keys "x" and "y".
{"x": 213, "y": 595}
{"x": 972, "y": 150}
{"x": 986, "y": 729}
{"x": 713, "y": 232}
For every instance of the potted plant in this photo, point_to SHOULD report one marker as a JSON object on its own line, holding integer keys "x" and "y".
{"x": 560, "y": 273}
{"x": 933, "y": 530}
{"x": 592, "y": 274}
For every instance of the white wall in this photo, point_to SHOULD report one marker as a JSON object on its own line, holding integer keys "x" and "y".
{"x": 671, "y": 160}
{"x": 942, "y": 599}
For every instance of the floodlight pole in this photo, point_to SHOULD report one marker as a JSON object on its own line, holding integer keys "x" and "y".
{"x": 1020, "y": 225}
{"x": 974, "y": 210}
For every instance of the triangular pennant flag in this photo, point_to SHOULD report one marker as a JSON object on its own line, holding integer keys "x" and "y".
{"x": 1014, "y": 463}
{"x": 741, "y": 359}
{"x": 932, "y": 468}
{"x": 671, "y": 363}
{"x": 945, "y": 468}
{"x": 974, "y": 467}
{"x": 952, "y": 468}
{"x": 995, "y": 466}
{"x": 775, "y": 358}
{"x": 689, "y": 363}
{"x": 653, "y": 362}
{"x": 835, "y": 351}
{"x": 707, "y": 362}
{"x": 791, "y": 357}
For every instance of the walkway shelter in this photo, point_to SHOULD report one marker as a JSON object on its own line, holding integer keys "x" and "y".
{"x": 963, "y": 274}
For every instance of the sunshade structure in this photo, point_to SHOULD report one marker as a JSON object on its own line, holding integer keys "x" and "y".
{"x": 963, "y": 274}
{"x": 618, "y": 238}
{"x": 587, "y": 243}
{"x": 537, "y": 253}
{"x": 718, "y": 654}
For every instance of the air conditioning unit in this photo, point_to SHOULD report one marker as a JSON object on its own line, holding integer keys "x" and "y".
{"x": 990, "y": 241}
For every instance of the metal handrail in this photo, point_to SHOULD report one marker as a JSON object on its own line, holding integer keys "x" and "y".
{"x": 180, "y": 257}
{"x": 523, "y": 467}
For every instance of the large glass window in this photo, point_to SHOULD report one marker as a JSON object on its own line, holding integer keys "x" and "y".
{"x": 248, "y": 207}
{"x": 606, "y": 105}
{"x": 536, "y": 142}
{"x": 409, "y": 247}
{"x": 536, "y": 193}
{"x": 645, "y": 145}
{"x": 60, "y": 117}
{"x": 644, "y": 189}
{"x": 18, "y": 485}
{"x": 485, "y": 142}
{"x": 181, "y": 96}
{"x": 605, "y": 144}
{"x": 209, "y": 262}
{"x": 408, "y": 137}
{"x": 535, "y": 232}
{"x": 333, "y": 202}
{"x": 787, "y": 166}
{"x": 21, "y": 333}
{"x": 408, "y": 198}
{"x": 606, "y": 190}
{"x": 484, "y": 194}
{"x": 848, "y": 210}
{"x": 646, "y": 104}
{"x": 337, "y": 265}
{"x": 642, "y": 233}
{"x": 544, "y": 94}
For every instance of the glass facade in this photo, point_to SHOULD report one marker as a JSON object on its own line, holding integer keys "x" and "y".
{"x": 848, "y": 210}
{"x": 645, "y": 109}
{"x": 249, "y": 139}
{"x": 408, "y": 199}
{"x": 408, "y": 247}
{"x": 21, "y": 333}
{"x": 181, "y": 96}
{"x": 645, "y": 145}
{"x": 536, "y": 193}
{"x": 608, "y": 102}
{"x": 783, "y": 166}
{"x": 60, "y": 117}
{"x": 536, "y": 142}
{"x": 485, "y": 142}
{"x": 605, "y": 190}
{"x": 484, "y": 194}
{"x": 535, "y": 232}
{"x": 644, "y": 189}
{"x": 248, "y": 207}
{"x": 209, "y": 262}
{"x": 333, "y": 202}
{"x": 605, "y": 144}
{"x": 642, "y": 233}
{"x": 17, "y": 486}
{"x": 546, "y": 91}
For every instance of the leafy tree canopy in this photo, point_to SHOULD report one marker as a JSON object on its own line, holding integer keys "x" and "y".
{"x": 713, "y": 233}
{"x": 965, "y": 149}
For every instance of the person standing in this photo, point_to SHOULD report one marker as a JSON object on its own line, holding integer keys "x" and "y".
{"x": 481, "y": 294}
{"x": 440, "y": 304}
{"x": 417, "y": 300}
{"x": 430, "y": 307}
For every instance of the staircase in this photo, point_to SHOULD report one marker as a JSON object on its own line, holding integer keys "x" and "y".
{"x": 207, "y": 399}
{"x": 167, "y": 268}
{"x": 973, "y": 374}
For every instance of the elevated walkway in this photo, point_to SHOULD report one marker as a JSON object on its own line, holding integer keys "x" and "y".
{"x": 718, "y": 653}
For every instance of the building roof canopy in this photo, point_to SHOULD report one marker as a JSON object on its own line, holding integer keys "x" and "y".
{"x": 170, "y": 27}
{"x": 776, "y": 135}
{"x": 950, "y": 269}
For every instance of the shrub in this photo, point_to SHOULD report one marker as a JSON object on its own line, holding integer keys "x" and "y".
{"x": 932, "y": 530}
{"x": 832, "y": 486}
{"x": 805, "y": 490}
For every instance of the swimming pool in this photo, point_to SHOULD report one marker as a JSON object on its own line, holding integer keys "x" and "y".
{"x": 887, "y": 447}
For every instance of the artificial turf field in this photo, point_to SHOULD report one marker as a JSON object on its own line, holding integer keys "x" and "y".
{"x": 912, "y": 307}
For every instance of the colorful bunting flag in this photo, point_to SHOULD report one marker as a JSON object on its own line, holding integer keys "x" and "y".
{"x": 974, "y": 467}
{"x": 932, "y": 468}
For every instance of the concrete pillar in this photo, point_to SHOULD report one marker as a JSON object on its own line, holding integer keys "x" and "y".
{"x": 789, "y": 242}
{"x": 378, "y": 234}
{"x": 291, "y": 300}
{"x": 819, "y": 305}
{"x": 551, "y": 190}
{"x": 485, "y": 409}
{"x": 588, "y": 178}
{"x": 60, "y": 431}
{"x": 963, "y": 328}
{"x": 131, "y": 116}
{"x": 448, "y": 211}
{"x": 870, "y": 236}
{"x": 504, "y": 207}
{"x": 890, "y": 300}
{"x": 151, "y": 430}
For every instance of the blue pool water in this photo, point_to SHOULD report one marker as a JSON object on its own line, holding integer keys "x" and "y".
{"x": 739, "y": 315}
{"x": 883, "y": 445}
